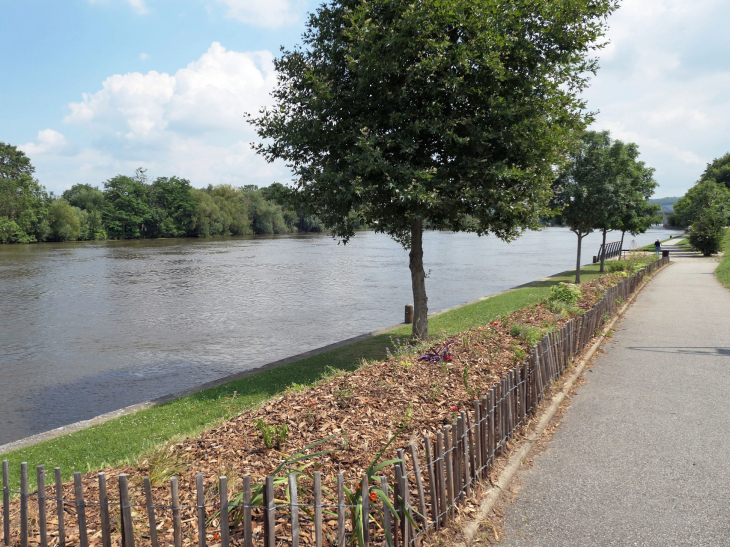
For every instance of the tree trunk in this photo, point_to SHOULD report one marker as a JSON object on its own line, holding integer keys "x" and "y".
{"x": 603, "y": 252}
{"x": 418, "y": 282}
{"x": 577, "y": 261}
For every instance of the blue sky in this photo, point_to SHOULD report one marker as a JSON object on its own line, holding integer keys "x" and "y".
{"x": 94, "y": 88}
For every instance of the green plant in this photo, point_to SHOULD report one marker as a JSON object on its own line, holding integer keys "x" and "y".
{"x": 434, "y": 392}
{"x": 568, "y": 293}
{"x": 310, "y": 413}
{"x": 355, "y": 495}
{"x": 343, "y": 396}
{"x": 617, "y": 266}
{"x": 280, "y": 477}
{"x": 519, "y": 355}
{"x": 163, "y": 462}
{"x": 273, "y": 436}
{"x": 405, "y": 423}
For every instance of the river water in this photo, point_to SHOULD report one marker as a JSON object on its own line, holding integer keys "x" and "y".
{"x": 87, "y": 328}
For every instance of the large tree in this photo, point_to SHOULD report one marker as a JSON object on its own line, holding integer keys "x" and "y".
{"x": 23, "y": 200}
{"x": 603, "y": 187}
{"x": 403, "y": 113}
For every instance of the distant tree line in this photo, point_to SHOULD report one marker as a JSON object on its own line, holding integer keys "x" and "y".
{"x": 131, "y": 207}
{"x": 705, "y": 208}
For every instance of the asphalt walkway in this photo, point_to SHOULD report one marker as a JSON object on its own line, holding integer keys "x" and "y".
{"x": 642, "y": 456}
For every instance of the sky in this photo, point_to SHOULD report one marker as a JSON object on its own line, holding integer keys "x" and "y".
{"x": 94, "y": 88}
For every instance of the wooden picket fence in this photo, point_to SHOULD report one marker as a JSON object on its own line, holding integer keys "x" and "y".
{"x": 424, "y": 496}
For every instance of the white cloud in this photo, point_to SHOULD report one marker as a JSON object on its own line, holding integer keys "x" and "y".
{"x": 190, "y": 123}
{"x": 143, "y": 56}
{"x": 662, "y": 85}
{"x": 269, "y": 13}
{"x": 210, "y": 94}
{"x": 48, "y": 141}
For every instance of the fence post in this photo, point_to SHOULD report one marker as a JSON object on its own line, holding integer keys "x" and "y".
{"x": 106, "y": 540}
{"x": 176, "y": 520}
{"x": 340, "y": 510}
{"x": 294, "y": 510}
{"x": 41, "y": 482}
{"x": 269, "y": 513}
{"x": 200, "y": 492}
{"x": 151, "y": 511}
{"x": 421, "y": 495}
{"x": 59, "y": 508}
{"x": 80, "y": 509}
{"x": 247, "y": 531}
{"x": 433, "y": 487}
{"x": 223, "y": 490}
{"x": 318, "y": 508}
{"x": 126, "y": 510}
{"x": 24, "y": 504}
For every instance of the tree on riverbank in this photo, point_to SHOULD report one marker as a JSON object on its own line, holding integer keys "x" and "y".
{"x": 133, "y": 208}
{"x": 403, "y": 114}
{"x": 604, "y": 187}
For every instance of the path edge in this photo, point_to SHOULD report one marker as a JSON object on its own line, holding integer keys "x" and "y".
{"x": 492, "y": 495}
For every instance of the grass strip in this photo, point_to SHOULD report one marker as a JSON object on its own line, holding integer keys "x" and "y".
{"x": 650, "y": 247}
{"x": 723, "y": 270}
{"x": 123, "y": 440}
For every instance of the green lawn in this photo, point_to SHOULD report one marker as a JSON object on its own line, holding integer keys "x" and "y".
{"x": 125, "y": 439}
{"x": 650, "y": 247}
{"x": 723, "y": 270}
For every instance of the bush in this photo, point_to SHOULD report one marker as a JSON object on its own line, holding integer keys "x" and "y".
{"x": 617, "y": 266}
{"x": 568, "y": 293}
{"x": 706, "y": 238}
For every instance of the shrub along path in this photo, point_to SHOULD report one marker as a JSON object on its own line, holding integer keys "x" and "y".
{"x": 641, "y": 456}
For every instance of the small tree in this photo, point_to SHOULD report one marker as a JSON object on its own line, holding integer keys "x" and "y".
{"x": 404, "y": 113}
{"x": 604, "y": 187}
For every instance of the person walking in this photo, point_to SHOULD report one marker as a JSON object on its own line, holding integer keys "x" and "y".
{"x": 657, "y": 246}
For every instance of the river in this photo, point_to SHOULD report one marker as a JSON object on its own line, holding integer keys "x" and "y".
{"x": 87, "y": 328}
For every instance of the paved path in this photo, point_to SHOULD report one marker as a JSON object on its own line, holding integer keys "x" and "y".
{"x": 642, "y": 456}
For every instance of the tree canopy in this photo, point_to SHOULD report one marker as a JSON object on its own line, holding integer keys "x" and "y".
{"x": 604, "y": 187}
{"x": 453, "y": 113}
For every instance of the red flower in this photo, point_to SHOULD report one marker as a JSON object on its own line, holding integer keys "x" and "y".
{"x": 448, "y": 357}
{"x": 373, "y": 496}
{"x": 455, "y": 408}
{"x": 359, "y": 486}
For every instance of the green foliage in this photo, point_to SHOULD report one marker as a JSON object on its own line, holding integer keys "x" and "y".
{"x": 356, "y": 495}
{"x": 453, "y": 113}
{"x": 703, "y": 196}
{"x": 23, "y": 201}
{"x": 604, "y": 187}
{"x": 65, "y": 221}
{"x": 565, "y": 292}
{"x": 723, "y": 270}
{"x": 718, "y": 171}
{"x": 273, "y": 436}
{"x": 532, "y": 335}
{"x": 706, "y": 233}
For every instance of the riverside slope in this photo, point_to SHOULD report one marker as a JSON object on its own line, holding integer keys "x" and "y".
{"x": 641, "y": 457}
